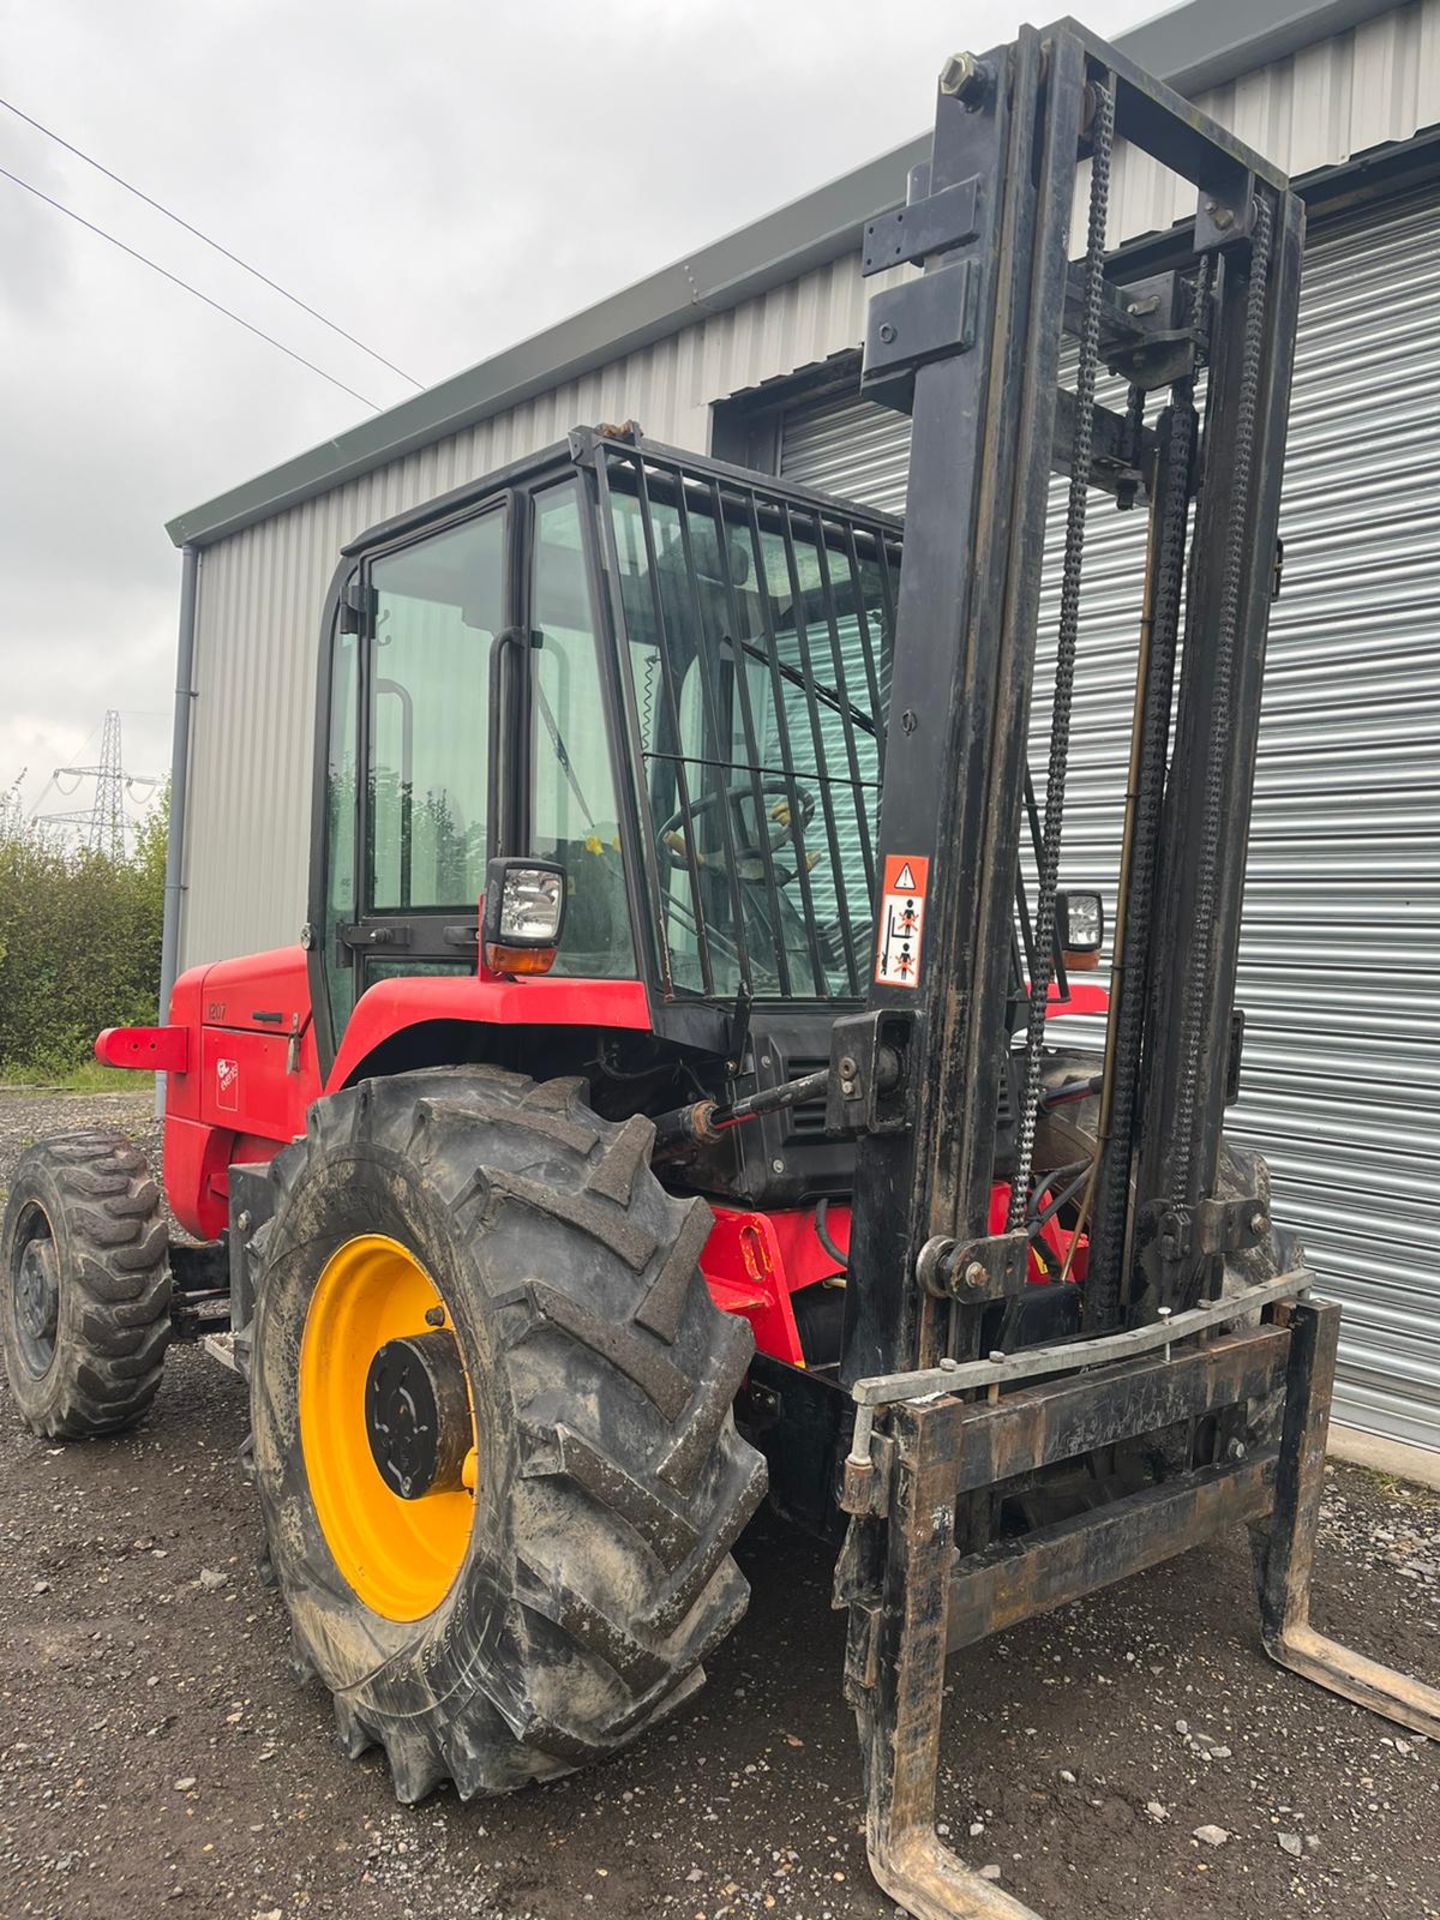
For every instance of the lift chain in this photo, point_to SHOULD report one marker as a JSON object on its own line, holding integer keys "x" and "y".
{"x": 1197, "y": 979}
{"x": 1128, "y": 999}
{"x": 1042, "y": 969}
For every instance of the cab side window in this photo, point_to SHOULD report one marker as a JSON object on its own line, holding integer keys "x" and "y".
{"x": 438, "y": 606}
{"x": 408, "y": 760}
{"x": 575, "y": 819}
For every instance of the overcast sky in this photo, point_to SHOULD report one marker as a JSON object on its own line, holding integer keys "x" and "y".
{"x": 442, "y": 178}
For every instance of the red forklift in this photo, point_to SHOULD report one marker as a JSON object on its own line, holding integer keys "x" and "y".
{"x": 659, "y": 1104}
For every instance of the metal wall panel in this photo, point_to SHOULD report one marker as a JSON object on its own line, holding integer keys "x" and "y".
{"x": 1340, "y": 965}
{"x": 1370, "y": 86}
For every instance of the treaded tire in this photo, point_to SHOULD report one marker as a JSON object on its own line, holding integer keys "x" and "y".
{"x": 1066, "y": 1134}
{"x": 84, "y": 1212}
{"x": 612, "y": 1483}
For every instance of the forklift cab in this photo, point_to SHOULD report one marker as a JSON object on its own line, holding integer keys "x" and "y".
{"x": 665, "y": 675}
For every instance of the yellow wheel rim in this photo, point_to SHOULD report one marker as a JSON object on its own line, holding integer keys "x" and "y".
{"x": 400, "y": 1556}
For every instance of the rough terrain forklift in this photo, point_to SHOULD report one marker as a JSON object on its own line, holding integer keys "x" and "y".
{"x": 659, "y": 1104}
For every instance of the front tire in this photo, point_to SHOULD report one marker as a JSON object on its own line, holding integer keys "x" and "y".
{"x": 85, "y": 1309}
{"x": 573, "y": 1605}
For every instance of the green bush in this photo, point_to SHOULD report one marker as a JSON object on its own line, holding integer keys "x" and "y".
{"x": 79, "y": 945}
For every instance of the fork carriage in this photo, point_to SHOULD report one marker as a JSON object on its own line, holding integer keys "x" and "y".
{"x": 924, "y": 1454}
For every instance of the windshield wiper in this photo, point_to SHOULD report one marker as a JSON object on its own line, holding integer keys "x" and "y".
{"x": 837, "y": 702}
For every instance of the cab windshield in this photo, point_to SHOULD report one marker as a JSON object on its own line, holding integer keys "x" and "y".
{"x": 756, "y": 664}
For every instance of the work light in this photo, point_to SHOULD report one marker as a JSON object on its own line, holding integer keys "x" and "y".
{"x": 523, "y": 914}
{"x": 1080, "y": 928}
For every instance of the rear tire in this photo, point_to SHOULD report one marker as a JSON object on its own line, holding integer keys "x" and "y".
{"x": 610, "y": 1481}
{"x": 85, "y": 1312}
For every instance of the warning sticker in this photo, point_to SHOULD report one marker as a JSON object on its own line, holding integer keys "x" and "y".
{"x": 902, "y": 920}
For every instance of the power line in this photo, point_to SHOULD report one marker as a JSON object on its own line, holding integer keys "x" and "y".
{"x": 175, "y": 279}
{"x": 274, "y": 285}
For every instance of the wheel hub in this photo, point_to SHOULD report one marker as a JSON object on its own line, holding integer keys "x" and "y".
{"x": 417, "y": 1415}
{"x": 387, "y": 1435}
{"x": 37, "y": 1302}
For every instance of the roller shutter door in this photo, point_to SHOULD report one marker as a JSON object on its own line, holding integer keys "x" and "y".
{"x": 1340, "y": 973}
{"x": 852, "y": 448}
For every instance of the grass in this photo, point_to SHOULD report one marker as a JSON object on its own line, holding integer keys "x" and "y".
{"x": 1394, "y": 1488}
{"x": 88, "y": 1077}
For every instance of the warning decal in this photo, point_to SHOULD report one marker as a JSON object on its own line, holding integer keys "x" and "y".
{"x": 902, "y": 920}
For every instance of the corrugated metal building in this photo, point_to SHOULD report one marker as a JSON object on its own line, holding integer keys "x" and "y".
{"x": 749, "y": 349}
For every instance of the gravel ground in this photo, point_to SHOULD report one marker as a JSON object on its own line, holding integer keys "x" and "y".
{"x": 157, "y": 1757}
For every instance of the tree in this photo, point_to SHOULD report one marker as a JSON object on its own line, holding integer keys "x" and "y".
{"x": 79, "y": 942}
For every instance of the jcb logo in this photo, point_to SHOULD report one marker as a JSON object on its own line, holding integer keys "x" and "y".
{"x": 227, "y": 1084}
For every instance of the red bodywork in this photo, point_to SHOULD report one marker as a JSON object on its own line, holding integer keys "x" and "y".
{"x": 754, "y": 1262}
{"x": 244, "y": 1031}
{"x": 242, "y": 1071}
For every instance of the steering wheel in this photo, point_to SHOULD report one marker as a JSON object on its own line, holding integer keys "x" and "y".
{"x": 673, "y": 833}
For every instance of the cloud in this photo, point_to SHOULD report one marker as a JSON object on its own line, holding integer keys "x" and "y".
{"x": 442, "y": 179}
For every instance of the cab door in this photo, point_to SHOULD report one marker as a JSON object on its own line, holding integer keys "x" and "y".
{"x": 411, "y": 781}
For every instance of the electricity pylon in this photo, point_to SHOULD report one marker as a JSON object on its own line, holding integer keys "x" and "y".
{"x": 100, "y": 826}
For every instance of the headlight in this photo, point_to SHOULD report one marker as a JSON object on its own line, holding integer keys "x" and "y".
{"x": 523, "y": 915}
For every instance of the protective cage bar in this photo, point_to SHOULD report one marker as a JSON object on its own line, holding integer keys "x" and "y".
{"x": 755, "y": 638}
{"x": 941, "y": 1551}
